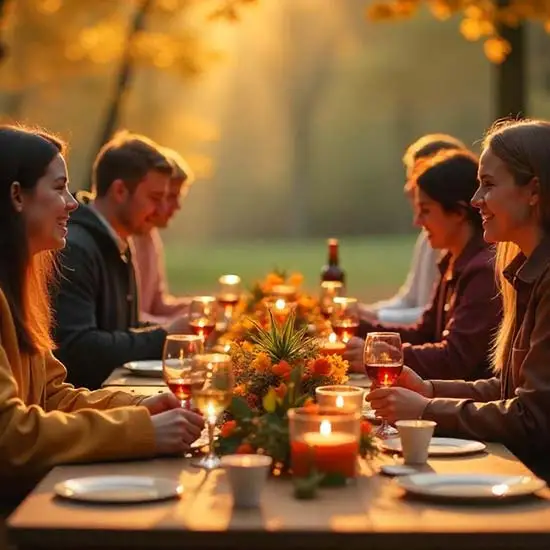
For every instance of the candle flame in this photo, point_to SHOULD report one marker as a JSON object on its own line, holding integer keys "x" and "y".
{"x": 340, "y": 402}
{"x": 332, "y": 338}
{"x": 325, "y": 428}
{"x": 280, "y": 304}
{"x": 386, "y": 380}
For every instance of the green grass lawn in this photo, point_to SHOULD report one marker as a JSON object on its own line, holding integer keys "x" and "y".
{"x": 375, "y": 266}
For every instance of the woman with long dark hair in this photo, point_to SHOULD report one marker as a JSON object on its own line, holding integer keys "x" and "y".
{"x": 453, "y": 337}
{"x": 43, "y": 420}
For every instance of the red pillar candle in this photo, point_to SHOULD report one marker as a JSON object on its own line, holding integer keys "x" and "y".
{"x": 327, "y": 443}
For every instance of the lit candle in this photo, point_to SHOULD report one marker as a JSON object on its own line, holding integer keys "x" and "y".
{"x": 327, "y": 451}
{"x": 349, "y": 397}
{"x": 331, "y": 345}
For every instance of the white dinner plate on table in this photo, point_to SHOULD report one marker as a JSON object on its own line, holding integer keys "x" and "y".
{"x": 118, "y": 489}
{"x": 151, "y": 368}
{"x": 470, "y": 486}
{"x": 440, "y": 446}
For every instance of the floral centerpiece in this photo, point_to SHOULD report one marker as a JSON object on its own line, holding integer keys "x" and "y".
{"x": 277, "y": 370}
{"x": 252, "y": 309}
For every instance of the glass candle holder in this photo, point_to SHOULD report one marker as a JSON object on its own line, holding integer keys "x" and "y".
{"x": 280, "y": 308}
{"x": 326, "y": 440}
{"x": 341, "y": 397}
{"x": 331, "y": 345}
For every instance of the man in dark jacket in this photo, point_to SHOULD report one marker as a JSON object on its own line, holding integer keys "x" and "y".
{"x": 96, "y": 306}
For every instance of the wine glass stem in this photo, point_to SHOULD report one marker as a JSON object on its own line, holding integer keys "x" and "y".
{"x": 211, "y": 424}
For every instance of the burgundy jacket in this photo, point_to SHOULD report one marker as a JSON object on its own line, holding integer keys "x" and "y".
{"x": 514, "y": 407}
{"x": 454, "y": 335}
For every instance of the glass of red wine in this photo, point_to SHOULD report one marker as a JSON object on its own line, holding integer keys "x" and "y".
{"x": 177, "y": 360}
{"x": 383, "y": 359}
{"x": 229, "y": 295}
{"x": 345, "y": 317}
{"x": 203, "y": 314}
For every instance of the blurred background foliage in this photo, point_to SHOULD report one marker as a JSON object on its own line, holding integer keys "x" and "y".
{"x": 294, "y": 113}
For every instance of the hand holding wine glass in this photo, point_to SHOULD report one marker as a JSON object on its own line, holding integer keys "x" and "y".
{"x": 383, "y": 359}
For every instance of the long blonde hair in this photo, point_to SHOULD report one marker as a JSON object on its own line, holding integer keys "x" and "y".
{"x": 524, "y": 146}
{"x": 506, "y": 252}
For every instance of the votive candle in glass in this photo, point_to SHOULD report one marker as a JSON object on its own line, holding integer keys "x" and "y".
{"x": 341, "y": 396}
{"x": 326, "y": 440}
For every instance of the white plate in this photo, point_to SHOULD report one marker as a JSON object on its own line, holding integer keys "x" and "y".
{"x": 145, "y": 368}
{"x": 118, "y": 489}
{"x": 470, "y": 486}
{"x": 440, "y": 446}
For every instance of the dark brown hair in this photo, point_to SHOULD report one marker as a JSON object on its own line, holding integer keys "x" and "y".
{"x": 128, "y": 157}
{"x": 25, "y": 155}
{"x": 450, "y": 179}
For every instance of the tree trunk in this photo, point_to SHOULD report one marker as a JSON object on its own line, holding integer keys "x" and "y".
{"x": 510, "y": 77}
{"x": 123, "y": 79}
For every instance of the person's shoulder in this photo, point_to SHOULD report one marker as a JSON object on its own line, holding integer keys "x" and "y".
{"x": 482, "y": 261}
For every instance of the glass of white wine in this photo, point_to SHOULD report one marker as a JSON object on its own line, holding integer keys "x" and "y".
{"x": 212, "y": 389}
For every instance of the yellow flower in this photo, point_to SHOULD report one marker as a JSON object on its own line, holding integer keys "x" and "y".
{"x": 261, "y": 363}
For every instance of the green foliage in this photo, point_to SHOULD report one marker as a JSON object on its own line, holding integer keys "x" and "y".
{"x": 284, "y": 343}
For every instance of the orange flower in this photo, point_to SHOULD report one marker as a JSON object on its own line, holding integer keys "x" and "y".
{"x": 282, "y": 369}
{"x": 321, "y": 366}
{"x": 261, "y": 363}
{"x": 239, "y": 390}
{"x": 310, "y": 407}
{"x": 245, "y": 449}
{"x": 295, "y": 279}
{"x": 281, "y": 390}
{"x": 228, "y": 428}
{"x": 366, "y": 427}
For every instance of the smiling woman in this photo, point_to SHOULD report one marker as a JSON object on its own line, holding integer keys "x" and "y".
{"x": 43, "y": 420}
{"x": 453, "y": 337}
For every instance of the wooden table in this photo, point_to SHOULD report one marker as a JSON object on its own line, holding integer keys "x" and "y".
{"x": 372, "y": 513}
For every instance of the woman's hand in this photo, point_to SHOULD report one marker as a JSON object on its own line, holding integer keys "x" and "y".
{"x": 410, "y": 380}
{"x": 396, "y": 403}
{"x": 161, "y": 402}
{"x": 175, "y": 430}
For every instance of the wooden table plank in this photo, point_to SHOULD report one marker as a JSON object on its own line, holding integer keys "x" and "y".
{"x": 371, "y": 513}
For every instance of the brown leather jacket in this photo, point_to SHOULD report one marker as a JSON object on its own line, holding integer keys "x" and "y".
{"x": 514, "y": 407}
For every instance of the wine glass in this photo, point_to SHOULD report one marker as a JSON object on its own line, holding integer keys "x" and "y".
{"x": 229, "y": 294}
{"x": 329, "y": 291}
{"x": 203, "y": 314}
{"x": 345, "y": 317}
{"x": 383, "y": 359}
{"x": 177, "y": 357}
{"x": 212, "y": 389}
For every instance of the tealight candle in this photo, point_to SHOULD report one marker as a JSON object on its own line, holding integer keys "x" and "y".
{"x": 280, "y": 308}
{"x": 340, "y": 397}
{"x": 247, "y": 475}
{"x": 331, "y": 345}
{"x": 328, "y": 443}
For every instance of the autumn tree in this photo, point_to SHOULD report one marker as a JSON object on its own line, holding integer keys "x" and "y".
{"x": 500, "y": 24}
{"x": 55, "y": 40}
